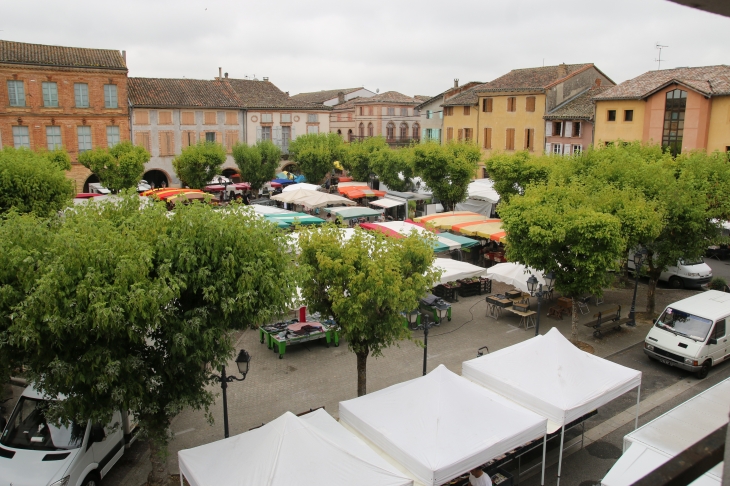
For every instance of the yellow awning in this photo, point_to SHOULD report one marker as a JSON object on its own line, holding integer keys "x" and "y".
{"x": 491, "y": 229}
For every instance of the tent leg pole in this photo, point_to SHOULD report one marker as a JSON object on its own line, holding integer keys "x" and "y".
{"x": 181, "y": 478}
{"x": 638, "y": 397}
{"x": 544, "y": 447}
{"x": 560, "y": 459}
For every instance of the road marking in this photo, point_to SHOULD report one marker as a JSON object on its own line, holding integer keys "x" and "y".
{"x": 184, "y": 431}
{"x": 513, "y": 328}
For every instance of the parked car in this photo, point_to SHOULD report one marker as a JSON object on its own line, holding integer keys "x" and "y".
{"x": 97, "y": 188}
{"x": 36, "y": 452}
{"x": 687, "y": 273}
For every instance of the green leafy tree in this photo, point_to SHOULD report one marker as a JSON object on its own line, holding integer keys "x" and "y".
{"x": 31, "y": 183}
{"x": 257, "y": 163}
{"x": 119, "y": 167}
{"x": 511, "y": 173}
{"x": 365, "y": 283}
{"x": 131, "y": 305}
{"x": 198, "y": 164}
{"x": 359, "y": 156}
{"x": 60, "y": 158}
{"x": 394, "y": 168}
{"x": 315, "y": 154}
{"x": 447, "y": 169}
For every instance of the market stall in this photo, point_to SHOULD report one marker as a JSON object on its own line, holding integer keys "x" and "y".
{"x": 460, "y": 277}
{"x": 312, "y": 199}
{"x": 398, "y": 229}
{"x": 441, "y": 425}
{"x": 445, "y": 221}
{"x": 353, "y": 212}
{"x": 550, "y": 376}
{"x": 311, "y": 450}
{"x": 305, "y": 329}
{"x": 294, "y": 218}
{"x": 515, "y": 274}
{"x": 481, "y": 197}
{"x": 301, "y": 185}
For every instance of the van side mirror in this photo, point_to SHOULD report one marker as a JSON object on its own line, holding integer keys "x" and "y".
{"x": 712, "y": 341}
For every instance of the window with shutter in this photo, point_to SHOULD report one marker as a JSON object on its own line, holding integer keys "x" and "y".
{"x": 460, "y": 134}
{"x": 164, "y": 117}
{"x": 360, "y": 110}
{"x": 50, "y": 95}
{"x": 81, "y": 93}
{"x": 576, "y": 129}
{"x": 21, "y": 138}
{"x": 558, "y": 129}
{"x": 577, "y": 149}
{"x": 488, "y": 138}
{"x": 510, "y": 142}
{"x": 391, "y": 111}
{"x": 416, "y": 131}
{"x": 530, "y": 139}
{"x": 487, "y": 105}
{"x": 566, "y": 149}
{"x": 187, "y": 118}
{"x": 110, "y": 96}
{"x": 568, "y": 129}
{"x": 141, "y": 117}
{"x": 189, "y": 138}
{"x": 467, "y": 110}
{"x": 167, "y": 145}
{"x": 312, "y": 129}
{"x": 142, "y": 139}
{"x": 312, "y": 118}
{"x": 231, "y": 140}
{"x": 557, "y": 149}
{"x": 112, "y": 135}
{"x": 548, "y": 129}
{"x": 467, "y": 135}
{"x": 530, "y": 103}
{"x": 53, "y": 137}
{"x": 547, "y": 148}
{"x": 84, "y": 138}
{"x": 449, "y": 134}
{"x": 16, "y": 93}
{"x": 511, "y": 103}
{"x": 259, "y": 134}
{"x": 286, "y": 117}
{"x": 231, "y": 118}
{"x": 404, "y": 112}
{"x": 209, "y": 118}
{"x": 370, "y": 130}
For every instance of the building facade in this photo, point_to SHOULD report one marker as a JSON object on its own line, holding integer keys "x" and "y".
{"x": 682, "y": 109}
{"x": 432, "y": 113}
{"x": 63, "y": 97}
{"x": 332, "y": 97}
{"x": 569, "y": 126}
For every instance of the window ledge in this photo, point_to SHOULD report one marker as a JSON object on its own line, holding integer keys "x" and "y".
{"x": 17, "y": 109}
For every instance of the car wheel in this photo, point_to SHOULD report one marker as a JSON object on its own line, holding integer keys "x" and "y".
{"x": 92, "y": 480}
{"x": 702, "y": 373}
{"x": 676, "y": 283}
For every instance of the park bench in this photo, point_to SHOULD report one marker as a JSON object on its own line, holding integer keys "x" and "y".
{"x": 612, "y": 315}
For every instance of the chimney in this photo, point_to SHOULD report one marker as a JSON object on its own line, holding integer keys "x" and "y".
{"x": 220, "y": 72}
{"x": 340, "y": 97}
{"x": 124, "y": 56}
{"x": 226, "y": 75}
{"x": 562, "y": 70}
{"x": 456, "y": 82}
{"x": 266, "y": 78}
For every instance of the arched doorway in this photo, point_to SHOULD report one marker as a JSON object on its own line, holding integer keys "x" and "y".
{"x": 232, "y": 174}
{"x": 92, "y": 179}
{"x": 156, "y": 178}
{"x": 349, "y": 135}
{"x": 416, "y": 131}
{"x": 403, "y": 131}
{"x": 390, "y": 131}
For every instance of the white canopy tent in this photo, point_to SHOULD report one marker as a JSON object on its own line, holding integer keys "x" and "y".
{"x": 312, "y": 199}
{"x": 550, "y": 376}
{"x": 455, "y": 270}
{"x": 515, "y": 274}
{"x": 660, "y": 440}
{"x": 312, "y": 450}
{"x": 387, "y": 202}
{"x": 301, "y": 185}
{"x": 481, "y": 197}
{"x": 441, "y": 425}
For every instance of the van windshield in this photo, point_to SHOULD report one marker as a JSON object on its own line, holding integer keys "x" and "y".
{"x": 28, "y": 429}
{"x": 691, "y": 261}
{"x": 689, "y": 325}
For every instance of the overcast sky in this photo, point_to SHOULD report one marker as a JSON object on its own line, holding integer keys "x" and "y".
{"x": 414, "y": 47}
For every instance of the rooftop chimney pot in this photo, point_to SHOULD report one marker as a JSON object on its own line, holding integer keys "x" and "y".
{"x": 220, "y": 72}
{"x": 124, "y": 56}
{"x": 456, "y": 82}
{"x": 266, "y": 78}
{"x": 226, "y": 75}
{"x": 340, "y": 97}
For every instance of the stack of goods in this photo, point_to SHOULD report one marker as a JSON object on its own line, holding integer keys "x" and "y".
{"x": 447, "y": 291}
{"x": 500, "y": 300}
{"x": 474, "y": 286}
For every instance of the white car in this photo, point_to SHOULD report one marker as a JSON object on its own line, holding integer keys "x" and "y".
{"x": 685, "y": 274}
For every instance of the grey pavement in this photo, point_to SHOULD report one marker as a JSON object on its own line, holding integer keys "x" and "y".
{"x": 720, "y": 268}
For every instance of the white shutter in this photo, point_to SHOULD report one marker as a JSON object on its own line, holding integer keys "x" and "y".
{"x": 277, "y": 136}
{"x": 566, "y": 149}
{"x": 548, "y": 129}
{"x": 258, "y": 134}
{"x": 560, "y": 132}
{"x": 547, "y": 148}
{"x": 568, "y": 129}
{"x": 293, "y": 132}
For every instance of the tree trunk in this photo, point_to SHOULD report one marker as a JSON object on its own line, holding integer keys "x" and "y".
{"x": 158, "y": 476}
{"x": 574, "y": 322}
{"x": 362, "y": 360}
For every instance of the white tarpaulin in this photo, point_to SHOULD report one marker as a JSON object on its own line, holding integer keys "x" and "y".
{"x": 515, "y": 274}
{"x": 653, "y": 444}
{"x": 301, "y": 185}
{"x": 441, "y": 425}
{"x": 475, "y": 206}
{"x": 550, "y": 376}
{"x": 312, "y": 199}
{"x": 483, "y": 189}
{"x": 455, "y": 270}
{"x": 387, "y": 203}
{"x": 312, "y": 450}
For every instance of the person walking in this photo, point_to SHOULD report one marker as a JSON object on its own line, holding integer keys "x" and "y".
{"x": 477, "y": 477}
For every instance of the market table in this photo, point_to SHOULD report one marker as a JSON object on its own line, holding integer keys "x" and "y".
{"x": 278, "y": 336}
{"x": 495, "y": 304}
{"x": 525, "y": 317}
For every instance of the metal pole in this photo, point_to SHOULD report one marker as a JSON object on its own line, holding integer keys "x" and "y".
{"x": 632, "y": 314}
{"x": 224, "y": 385}
{"x": 539, "y": 305}
{"x": 638, "y": 397}
{"x": 560, "y": 459}
{"x": 425, "y": 343}
{"x": 544, "y": 447}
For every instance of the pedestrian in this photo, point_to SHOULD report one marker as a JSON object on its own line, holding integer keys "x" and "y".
{"x": 478, "y": 478}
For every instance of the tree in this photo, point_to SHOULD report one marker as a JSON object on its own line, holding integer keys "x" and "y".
{"x": 132, "y": 303}
{"x": 511, "y": 173}
{"x": 257, "y": 163}
{"x": 32, "y": 183}
{"x": 447, "y": 169}
{"x": 119, "y": 167}
{"x": 394, "y": 168}
{"x": 365, "y": 283}
{"x": 198, "y": 164}
{"x": 315, "y": 154}
{"x": 358, "y": 157}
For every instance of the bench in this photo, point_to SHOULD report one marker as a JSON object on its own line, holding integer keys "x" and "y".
{"x": 612, "y": 315}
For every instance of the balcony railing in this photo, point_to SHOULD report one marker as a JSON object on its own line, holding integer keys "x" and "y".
{"x": 393, "y": 142}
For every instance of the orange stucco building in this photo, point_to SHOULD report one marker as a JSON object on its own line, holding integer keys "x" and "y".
{"x": 683, "y": 109}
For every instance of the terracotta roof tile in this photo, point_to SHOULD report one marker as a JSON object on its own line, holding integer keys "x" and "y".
{"x": 79, "y": 57}
{"x": 468, "y": 97}
{"x": 708, "y": 80}
{"x": 256, "y": 94}
{"x": 422, "y": 98}
{"x": 347, "y": 105}
{"x": 539, "y": 78}
{"x": 390, "y": 97}
{"x": 182, "y": 92}
{"x": 578, "y": 107}
{"x": 322, "y": 96}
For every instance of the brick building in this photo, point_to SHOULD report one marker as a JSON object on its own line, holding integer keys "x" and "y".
{"x": 62, "y": 97}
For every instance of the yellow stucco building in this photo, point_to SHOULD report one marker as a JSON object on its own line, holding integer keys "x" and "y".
{"x": 683, "y": 109}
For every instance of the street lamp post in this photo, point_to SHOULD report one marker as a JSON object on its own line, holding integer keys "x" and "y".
{"x": 243, "y": 362}
{"x": 639, "y": 257}
{"x": 426, "y": 324}
{"x": 540, "y": 293}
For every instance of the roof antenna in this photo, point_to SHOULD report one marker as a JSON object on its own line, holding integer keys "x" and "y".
{"x": 660, "y": 47}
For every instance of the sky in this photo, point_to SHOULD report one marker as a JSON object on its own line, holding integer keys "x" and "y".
{"x": 413, "y": 47}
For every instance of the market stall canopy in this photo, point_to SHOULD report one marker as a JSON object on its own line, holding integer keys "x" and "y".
{"x": 265, "y": 209}
{"x": 312, "y": 450}
{"x": 184, "y": 197}
{"x": 514, "y": 274}
{"x": 445, "y": 241}
{"x": 303, "y": 185}
{"x": 445, "y": 221}
{"x": 354, "y": 212}
{"x": 483, "y": 189}
{"x": 456, "y": 270}
{"x": 387, "y": 203}
{"x": 283, "y": 182}
{"x": 312, "y": 199}
{"x": 351, "y": 183}
{"x": 486, "y": 228}
{"x": 294, "y": 218}
{"x": 662, "y": 439}
{"x": 441, "y": 425}
{"x": 356, "y": 192}
{"x": 552, "y": 377}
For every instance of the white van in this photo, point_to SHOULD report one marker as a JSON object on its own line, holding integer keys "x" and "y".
{"x": 692, "y": 333}
{"x": 686, "y": 274}
{"x": 34, "y": 452}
